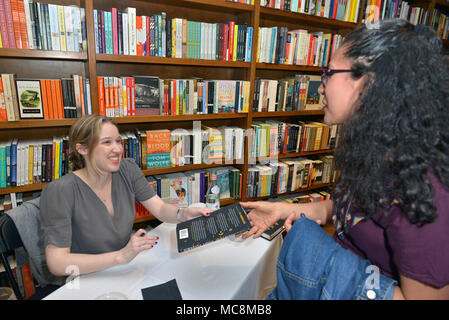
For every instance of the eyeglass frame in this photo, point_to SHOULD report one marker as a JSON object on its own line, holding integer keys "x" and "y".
{"x": 327, "y": 73}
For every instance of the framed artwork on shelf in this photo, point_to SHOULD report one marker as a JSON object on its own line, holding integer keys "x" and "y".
{"x": 29, "y": 98}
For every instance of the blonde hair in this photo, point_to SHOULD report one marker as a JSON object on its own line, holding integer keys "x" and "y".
{"x": 86, "y": 131}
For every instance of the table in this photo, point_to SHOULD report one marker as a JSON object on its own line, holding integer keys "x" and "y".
{"x": 222, "y": 270}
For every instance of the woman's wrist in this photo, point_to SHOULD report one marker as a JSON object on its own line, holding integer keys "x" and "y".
{"x": 179, "y": 216}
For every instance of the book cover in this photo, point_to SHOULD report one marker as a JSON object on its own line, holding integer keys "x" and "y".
{"x": 221, "y": 223}
{"x": 274, "y": 230}
{"x": 314, "y": 100}
{"x": 147, "y": 93}
{"x": 30, "y": 99}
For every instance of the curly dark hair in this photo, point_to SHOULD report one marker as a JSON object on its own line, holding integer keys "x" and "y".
{"x": 400, "y": 129}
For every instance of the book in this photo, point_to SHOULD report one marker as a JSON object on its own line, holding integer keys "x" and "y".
{"x": 147, "y": 95}
{"x": 274, "y": 230}
{"x": 29, "y": 99}
{"x": 221, "y": 223}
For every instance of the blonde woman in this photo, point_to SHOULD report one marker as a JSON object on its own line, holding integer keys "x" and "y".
{"x": 87, "y": 215}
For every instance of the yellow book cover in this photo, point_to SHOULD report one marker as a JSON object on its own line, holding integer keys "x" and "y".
{"x": 62, "y": 35}
{"x": 234, "y": 53}
{"x": 57, "y": 157}
{"x": 30, "y": 163}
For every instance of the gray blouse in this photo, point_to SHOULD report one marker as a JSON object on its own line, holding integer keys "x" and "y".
{"x": 72, "y": 215}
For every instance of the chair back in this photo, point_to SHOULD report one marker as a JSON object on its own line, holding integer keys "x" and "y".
{"x": 9, "y": 236}
{"x": 9, "y": 240}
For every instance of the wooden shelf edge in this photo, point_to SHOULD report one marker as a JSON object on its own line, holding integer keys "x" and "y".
{"x": 287, "y": 67}
{"x": 37, "y": 123}
{"x": 301, "y": 113}
{"x": 223, "y": 4}
{"x": 313, "y": 187}
{"x": 187, "y": 117}
{"x": 332, "y": 23}
{"x": 42, "y": 54}
{"x": 102, "y": 57}
{"x": 289, "y": 155}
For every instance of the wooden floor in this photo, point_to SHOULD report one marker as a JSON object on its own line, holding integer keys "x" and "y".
{"x": 330, "y": 229}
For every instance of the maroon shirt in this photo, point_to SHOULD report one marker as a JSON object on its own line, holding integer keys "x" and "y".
{"x": 398, "y": 247}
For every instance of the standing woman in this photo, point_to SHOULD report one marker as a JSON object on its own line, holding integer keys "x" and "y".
{"x": 87, "y": 215}
{"x": 388, "y": 86}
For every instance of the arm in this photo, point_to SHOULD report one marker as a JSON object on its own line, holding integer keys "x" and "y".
{"x": 415, "y": 290}
{"x": 59, "y": 259}
{"x": 168, "y": 213}
{"x": 264, "y": 214}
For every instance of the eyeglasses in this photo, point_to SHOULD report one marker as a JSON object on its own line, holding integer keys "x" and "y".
{"x": 327, "y": 73}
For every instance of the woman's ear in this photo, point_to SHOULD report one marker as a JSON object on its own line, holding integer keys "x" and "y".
{"x": 82, "y": 150}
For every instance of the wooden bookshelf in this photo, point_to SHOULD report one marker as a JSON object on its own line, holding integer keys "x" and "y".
{"x": 40, "y": 64}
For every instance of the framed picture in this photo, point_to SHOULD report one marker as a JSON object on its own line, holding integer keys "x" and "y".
{"x": 29, "y": 97}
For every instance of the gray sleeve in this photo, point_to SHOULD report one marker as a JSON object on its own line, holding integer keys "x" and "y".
{"x": 56, "y": 215}
{"x": 142, "y": 189}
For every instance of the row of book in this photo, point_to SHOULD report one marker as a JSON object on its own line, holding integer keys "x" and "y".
{"x": 44, "y": 98}
{"x": 289, "y": 94}
{"x": 165, "y": 148}
{"x": 345, "y": 10}
{"x": 125, "y": 32}
{"x": 289, "y": 175}
{"x": 149, "y": 95}
{"x": 186, "y": 188}
{"x": 25, "y": 24}
{"x": 388, "y": 9}
{"x": 296, "y": 47}
{"x": 440, "y": 22}
{"x": 271, "y": 138}
{"x": 44, "y": 160}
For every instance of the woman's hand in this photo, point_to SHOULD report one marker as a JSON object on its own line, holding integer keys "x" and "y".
{"x": 193, "y": 212}
{"x": 262, "y": 216}
{"x": 138, "y": 242}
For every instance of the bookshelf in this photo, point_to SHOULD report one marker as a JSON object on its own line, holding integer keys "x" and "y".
{"x": 40, "y": 64}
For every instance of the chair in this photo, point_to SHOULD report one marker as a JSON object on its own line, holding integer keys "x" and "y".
{"x": 10, "y": 240}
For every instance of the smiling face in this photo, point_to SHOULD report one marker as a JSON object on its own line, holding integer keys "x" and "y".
{"x": 341, "y": 91}
{"x": 107, "y": 153}
{"x": 104, "y": 152}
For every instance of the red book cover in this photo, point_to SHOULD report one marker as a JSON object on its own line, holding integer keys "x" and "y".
{"x": 22, "y": 24}
{"x": 147, "y": 37}
{"x": 3, "y": 114}
{"x": 101, "y": 101}
{"x": 16, "y": 23}
{"x": 9, "y": 23}
{"x": 4, "y": 26}
{"x": 133, "y": 96}
{"x": 231, "y": 41}
{"x": 27, "y": 281}
{"x": 225, "y": 42}
{"x": 114, "y": 30}
{"x": 128, "y": 96}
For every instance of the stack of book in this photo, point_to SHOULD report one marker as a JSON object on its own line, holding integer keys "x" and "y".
{"x": 288, "y": 175}
{"x": 125, "y": 32}
{"x": 32, "y": 25}
{"x": 44, "y": 98}
{"x": 289, "y": 94}
{"x": 271, "y": 138}
{"x": 298, "y": 47}
{"x": 149, "y": 95}
{"x": 345, "y": 10}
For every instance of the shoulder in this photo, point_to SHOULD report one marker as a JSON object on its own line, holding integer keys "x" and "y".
{"x": 66, "y": 181}
{"x": 127, "y": 164}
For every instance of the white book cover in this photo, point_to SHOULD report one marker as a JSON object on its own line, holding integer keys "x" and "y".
{"x": 26, "y": 4}
{"x": 132, "y": 30}
{"x": 69, "y": 28}
{"x": 125, "y": 33}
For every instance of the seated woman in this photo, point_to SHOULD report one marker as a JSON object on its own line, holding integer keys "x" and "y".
{"x": 387, "y": 85}
{"x": 87, "y": 215}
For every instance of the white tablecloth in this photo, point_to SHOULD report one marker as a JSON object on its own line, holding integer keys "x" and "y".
{"x": 225, "y": 269}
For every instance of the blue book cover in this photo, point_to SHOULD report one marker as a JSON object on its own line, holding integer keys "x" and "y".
{"x": 249, "y": 44}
